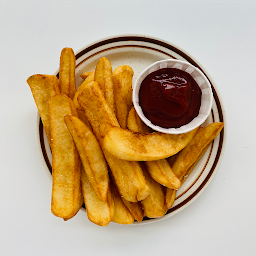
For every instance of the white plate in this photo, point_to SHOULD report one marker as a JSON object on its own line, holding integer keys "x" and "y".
{"x": 139, "y": 52}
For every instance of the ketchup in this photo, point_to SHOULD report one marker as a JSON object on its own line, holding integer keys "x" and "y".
{"x": 170, "y": 97}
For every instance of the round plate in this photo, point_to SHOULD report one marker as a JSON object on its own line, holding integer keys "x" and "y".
{"x": 139, "y": 52}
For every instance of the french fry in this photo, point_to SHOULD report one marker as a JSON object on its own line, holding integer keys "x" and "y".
{"x": 128, "y": 175}
{"x": 121, "y": 214}
{"x": 67, "y": 82}
{"x": 186, "y": 159}
{"x": 103, "y": 75}
{"x": 131, "y": 146}
{"x": 87, "y": 74}
{"x": 170, "y": 197}
{"x": 154, "y": 204}
{"x": 122, "y": 79}
{"x": 98, "y": 212}
{"x": 79, "y": 109}
{"x": 43, "y": 88}
{"x": 135, "y": 124}
{"x": 159, "y": 170}
{"x": 66, "y": 188}
{"x": 91, "y": 155}
{"x": 194, "y": 149}
{"x": 135, "y": 209}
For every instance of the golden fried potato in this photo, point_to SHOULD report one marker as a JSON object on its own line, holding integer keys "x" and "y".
{"x": 93, "y": 160}
{"x": 194, "y": 149}
{"x": 79, "y": 109}
{"x": 103, "y": 75}
{"x": 66, "y": 188}
{"x": 185, "y": 160}
{"x": 128, "y": 175}
{"x": 43, "y": 88}
{"x": 85, "y": 75}
{"x": 132, "y": 146}
{"x": 159, "y": 170}
{"x": 135, "y": 209}
{"x": 154, "y": 204}
{"x": 122, "y": 78}
{"x": 135, "y": 124}
{"x": 67, "y": 82}
{"x": 170, "y": 197}
{"x": 121, "y": 214}
{"x": 98, "y": 212}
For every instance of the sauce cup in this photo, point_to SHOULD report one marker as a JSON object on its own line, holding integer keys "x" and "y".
{"x": 200, "y": 79}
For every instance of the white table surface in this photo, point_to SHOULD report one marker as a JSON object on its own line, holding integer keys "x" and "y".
{"x": 221, "y": 35}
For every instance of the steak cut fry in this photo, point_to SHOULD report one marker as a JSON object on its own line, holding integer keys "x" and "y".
{"x": 132, "y": 146}
{"x": 186, "y": 159}
{"x": 121, "y": 214}
{"x": 154, "y": 204}
{"x": 66, "y": 188}
{"x": 122, "y": 79}
{"x": 103, "y": 75}
{"x": 43, "y": 88}
{"x": 159, "y": 170}
{"x": 91, "y": 155}
{"x": 128, "y": 175}
{"x": 87, "y": 74}
{"x": 98, "y": 212}
{"x": 67, "y": 82}
{"x": 135, "y": 209}
{"x": 194, "y": 149}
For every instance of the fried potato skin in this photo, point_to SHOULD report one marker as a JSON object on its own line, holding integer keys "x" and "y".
{"x": 67, "y": 82}
{"x": 98, "y": 212}
{"x": 43, "y": 88}
{"x": 131, "y": 146}
{"x": 91, "y": 155}
{"x": 128, "y": 175}
{"x": 66, "y": 188}
{"x": 122, "y": 79}
{"x": 103, "y": 75}
{"x": 154, "y": 204}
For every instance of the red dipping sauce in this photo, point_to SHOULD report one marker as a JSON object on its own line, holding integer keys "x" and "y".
{"x": 170, "y": 97}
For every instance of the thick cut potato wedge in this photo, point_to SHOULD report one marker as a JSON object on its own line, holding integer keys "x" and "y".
{"x": 194, "y": 149}
{"x": 98, "y": 212}
{"x": 170, "y": 197}
{"x": 87, "y": 74}
{"x": 91, "y": 155}
{"x": 103, "y": 75}
{"x": 43, "y": 88}
{"x": 80, "y": 111}
{"x": 122, "y": 78}
{"x": 121, "y": 214}
{"x": 67, "y": 82}
{"x": 154, "y": 204}
{"x": 159, "y": 170}
{"x": 135, "y": 209}
{"x": 128, "y": 175}
{"x": 132, "y": 146}
{"x": 66, "y": 188}
{"x": 135, "y": 124}
{"x": 186, "y": 160}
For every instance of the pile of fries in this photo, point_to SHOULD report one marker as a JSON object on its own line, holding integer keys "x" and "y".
{"x": 103, "y": 155}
